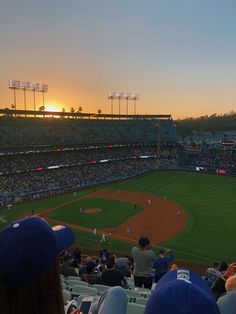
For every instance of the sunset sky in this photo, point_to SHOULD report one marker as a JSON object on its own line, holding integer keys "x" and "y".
{"x": 179, "y": 55}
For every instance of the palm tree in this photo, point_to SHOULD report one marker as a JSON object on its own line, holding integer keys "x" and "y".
{"x": 63, "y": 111}
{"x": 72, "y": 110}
{"x": 41, "y": 108}
{"x": 80, "y": 109}
{"x": 99, "y": 111}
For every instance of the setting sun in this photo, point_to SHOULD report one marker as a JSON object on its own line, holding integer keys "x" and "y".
{"x": 52, "y": 107}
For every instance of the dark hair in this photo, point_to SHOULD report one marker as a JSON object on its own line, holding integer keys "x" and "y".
{"x": 216, "y": 264}
{"x": 143, "y": 241}
{"x": 111, "y": 263}
{"x": 223, "y": 266}
{"x": 43, "y": 295}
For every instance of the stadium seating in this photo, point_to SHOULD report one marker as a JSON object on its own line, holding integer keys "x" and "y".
{"x": 133, "y": 308}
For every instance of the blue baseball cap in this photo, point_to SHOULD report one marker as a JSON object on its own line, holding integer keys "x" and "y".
{"x": 28, "y": 248}
{"x": 181, "y": 291}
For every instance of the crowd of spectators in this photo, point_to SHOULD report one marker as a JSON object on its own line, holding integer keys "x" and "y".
{"x": 26, "y": 185}
{"x": 217, "y": 159}
{"x": 25, "y": 175}
{"x": 27, "y": 132}
{"x": 15, "y": 163}
{"x": 173, "y": 289}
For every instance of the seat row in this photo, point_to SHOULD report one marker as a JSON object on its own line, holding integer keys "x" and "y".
{"x": 74, "y": 288}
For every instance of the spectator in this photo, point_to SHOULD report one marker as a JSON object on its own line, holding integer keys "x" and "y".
{"x": 82, "y": 268}
{"x": 66, "y": 269}
{"x": 123, "y": 265}
{"x": 212, "y": 273}
{"x": 218, "y": 287}
{"x": 29, "y": 268}
{"x": 143, "y": 260}
{"x": 104, "y": 253}
{"x": 112, "y": 276}
{"x": 181, "y": 292}
{"x": 161, "y": 264}
{"x": 227, "y": 303}
{"x": 90, "y": 276}
{"x": 77, "y": 254}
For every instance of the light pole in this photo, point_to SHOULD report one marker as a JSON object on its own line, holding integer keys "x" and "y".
{"x": 13, "y": 84}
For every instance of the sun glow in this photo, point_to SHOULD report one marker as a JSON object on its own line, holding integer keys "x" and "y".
{"x": 52, "y": 107}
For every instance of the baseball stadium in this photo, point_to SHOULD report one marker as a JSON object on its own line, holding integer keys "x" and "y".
{"x": 113, "y": 178}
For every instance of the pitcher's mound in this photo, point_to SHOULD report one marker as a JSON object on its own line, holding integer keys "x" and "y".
{"x": 92, "y": 211}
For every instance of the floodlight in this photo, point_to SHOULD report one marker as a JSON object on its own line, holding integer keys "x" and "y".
{"x": 13, "y": 84}
{"x": 24, "y": 85}
{"x": 111, "y": 95}
{"x": 33, "y": 86}
{"x": 37, "y": 87}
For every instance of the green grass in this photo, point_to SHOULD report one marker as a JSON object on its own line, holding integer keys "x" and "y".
{"x": 209, "y": 200}
{"x": 112, "y": 213}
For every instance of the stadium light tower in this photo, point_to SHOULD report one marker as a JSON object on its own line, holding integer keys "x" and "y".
{"x": 111, "y": 96}
{"x": 135, "y": 97}
{"x": 43, "y": 88}
{"x": 13, "y": 84}
{"x": 119, "y": 97}
{"x": 127, "y": 96}
{"x": 24, "y": 86}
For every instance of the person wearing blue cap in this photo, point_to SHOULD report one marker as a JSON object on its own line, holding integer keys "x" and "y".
{"x": 181, "y": 291}
{"x": 29, "y": 266}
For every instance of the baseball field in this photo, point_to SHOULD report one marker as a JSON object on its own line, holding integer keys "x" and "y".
{"x": 192, "y": 213}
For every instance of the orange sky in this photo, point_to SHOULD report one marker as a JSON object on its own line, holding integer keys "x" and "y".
{"x": 175, "y": 54}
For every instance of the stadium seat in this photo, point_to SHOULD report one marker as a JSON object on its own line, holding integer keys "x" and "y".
{"x": 143, "y": 291}
{"x": 81, "y": 290}
{"x": 72, "y": 283}
{"x": 141, "y": 300}
{"x": 73, "y": 278}
{"x": 66, "y": 295}
{"x": 133, "y": 308}
{"x": 133, "y": 295}
{"x": 100, "y": 288}
{"x": 130, "y": 282}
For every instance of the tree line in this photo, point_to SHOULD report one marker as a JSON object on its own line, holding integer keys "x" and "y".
{"x": 212, "y": 123}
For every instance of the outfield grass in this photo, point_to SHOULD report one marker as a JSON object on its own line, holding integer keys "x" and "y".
{"x": 209, "y": 200}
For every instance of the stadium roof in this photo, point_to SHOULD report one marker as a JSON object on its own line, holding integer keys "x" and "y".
{"x": 39, "y": 114}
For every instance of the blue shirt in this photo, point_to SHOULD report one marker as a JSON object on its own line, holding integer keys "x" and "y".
{"x": 161, "y": 263}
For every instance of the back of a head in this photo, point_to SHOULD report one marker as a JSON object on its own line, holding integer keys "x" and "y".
{"x": 143, "y": 242}
{"x": 29, "y": 275}
{"x": 111, "y": 263}
{"x": 223, "y": 266}
{"x": 181, "y": 292}
{"x": 90, "y": 267}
